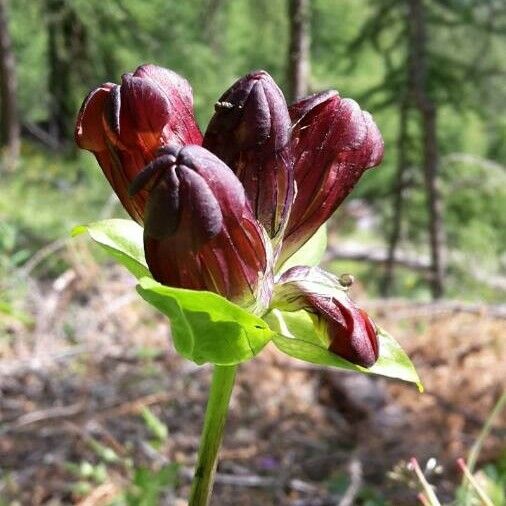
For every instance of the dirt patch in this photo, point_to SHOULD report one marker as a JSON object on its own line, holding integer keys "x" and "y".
{"x": 76, "y": 382}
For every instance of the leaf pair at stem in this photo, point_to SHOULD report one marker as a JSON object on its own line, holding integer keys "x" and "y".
{"x": 208, "y": 328}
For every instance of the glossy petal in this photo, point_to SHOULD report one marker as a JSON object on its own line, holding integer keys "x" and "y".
{"x": 144, "y": 113}
{"x": 125, "y": 126}
{"x": 346, "y": 329}
{"x": 250, "y": 133}
{"x": 333, "y": 143}
{"x": 199, "y": 230}
{"x": 182, "y": 128}
{"x": 88, "y": 134}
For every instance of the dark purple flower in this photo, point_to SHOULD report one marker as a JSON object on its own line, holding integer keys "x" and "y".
{"x": 125, "y": 125}
{"x": 250, "y": 132}
{"x": 264, "y": 171}
{"x": 346, "y": 329}
{"x": 199, "y": 231}
{"x": 333, "y": 143}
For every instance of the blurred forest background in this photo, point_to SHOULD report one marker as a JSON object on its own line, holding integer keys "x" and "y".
{"x": 85, "y": 377}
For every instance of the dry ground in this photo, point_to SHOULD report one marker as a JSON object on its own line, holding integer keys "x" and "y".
{"x": 94, "y": 355}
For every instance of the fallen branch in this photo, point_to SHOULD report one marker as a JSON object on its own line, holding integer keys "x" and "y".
{"x": 43, "y": 253}
{"x": 116, "y": 408}
{"x": 376, "y": 255}
{"x": 411, "y": 260}
{"x": 42, "y": 136}
{"x": 255, "y": 481}
{"x": 401, "y": 309}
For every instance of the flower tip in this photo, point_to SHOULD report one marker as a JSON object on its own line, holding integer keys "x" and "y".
{"x": 259, "y": 74}
{"x": 413, "y": 463}
{"x": 359, "y": 342}
{"x": 145, "y": 69}
{"x": 166, "y": 158}
{"x": 375, "y": 143}
{"x": 300, "y": 108}
{"x": 461, "y": 463}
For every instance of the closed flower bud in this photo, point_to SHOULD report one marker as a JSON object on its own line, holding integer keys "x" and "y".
{"x": 199, "y": 231}
{"x": 125, "y": 125}
{"x": 345, "y": 329}
{"x": 333, "y": 143}
{"x": 250, "y": 133}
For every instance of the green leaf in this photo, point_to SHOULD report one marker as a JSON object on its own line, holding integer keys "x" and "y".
{"x": 205, "y": 326}
{"x": 122, "y": 239}
{"x": 310, "y": 253}
{"x": 393, "y": 361}
{"x": 297, "y": 337}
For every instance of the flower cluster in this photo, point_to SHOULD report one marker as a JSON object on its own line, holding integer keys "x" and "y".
{"x": 223, "y": 211}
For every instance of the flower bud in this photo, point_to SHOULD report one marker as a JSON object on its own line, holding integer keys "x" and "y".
{"x": 250, "y": 133}
{"x": 125, "y": 125}
{"x": 199, "y": 231}
{"x": 333, "y": 143}
{"x": 346, "y": 329}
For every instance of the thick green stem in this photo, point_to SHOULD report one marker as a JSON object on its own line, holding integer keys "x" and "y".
{"x": 212, "y": 434}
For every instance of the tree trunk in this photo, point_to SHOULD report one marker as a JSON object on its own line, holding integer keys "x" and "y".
{"x": 298, "y": 56}
{"x": 428, "y": 113}
{"x": 60, "y": 25}
{"x": 9, "y": 124}
{"x": 398, "y": 199}
{"x": 211, "y": 23}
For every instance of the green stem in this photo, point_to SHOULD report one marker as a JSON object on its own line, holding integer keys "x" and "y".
{"x": 212, "y": 434}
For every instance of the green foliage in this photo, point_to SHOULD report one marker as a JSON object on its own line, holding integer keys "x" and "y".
{"x": 358, "y": 47}
{"x": 122, "y": 239}
{"x": 205, "y": 326}
{"x": 105, "y": 453}
{"x": 492, "y": 479}
{"x": 148, "y": 485}
{"x": 208, "y": 328}
{"x": 297, "y": 337}
{"x": 48, "y": 194}
{"x": 86, "y": 471}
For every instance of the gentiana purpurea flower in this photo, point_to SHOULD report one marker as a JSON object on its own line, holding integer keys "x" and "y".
{"x": 333, "y": 143}
{"x": 125, "y": 125}
{"x": 344, "y": 328}
{"x": 223, "y": 213}
{"x": 250, "y": 132}
{"x": 199, "y": 231}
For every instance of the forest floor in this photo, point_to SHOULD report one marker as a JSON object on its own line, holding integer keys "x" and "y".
{"x": 87, "y": 377}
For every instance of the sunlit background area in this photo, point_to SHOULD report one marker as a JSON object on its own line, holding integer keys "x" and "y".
{"x": 97, "y": 409}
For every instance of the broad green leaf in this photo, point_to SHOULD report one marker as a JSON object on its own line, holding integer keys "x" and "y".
{"x": 122, "y": 239}
{"x": 297, "y": 337}
{"x": 393, "y": 361}
{"x": 205, "y": 326}
{"x": 310, "y": 253}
